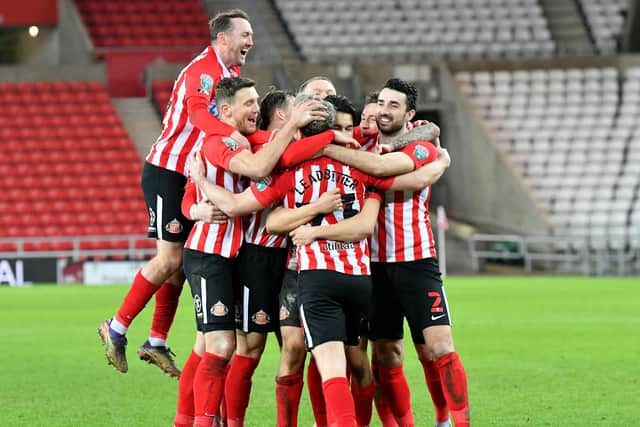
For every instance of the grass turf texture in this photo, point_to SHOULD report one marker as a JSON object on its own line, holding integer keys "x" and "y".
{"x": 539, "y": 351}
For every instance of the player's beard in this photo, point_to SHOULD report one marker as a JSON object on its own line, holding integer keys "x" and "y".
{"x": 392, "y": 128}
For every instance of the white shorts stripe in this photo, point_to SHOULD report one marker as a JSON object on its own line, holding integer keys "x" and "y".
{"x": 307, "y": 333}
{"x": 159, "y": 222}
{"x": 203, "y": 295}
{"x": 446, "y": 304}
{"x": 245, "y": 309}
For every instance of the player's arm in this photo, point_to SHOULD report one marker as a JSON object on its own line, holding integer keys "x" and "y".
{"x": 232, "y": 204}
{"x": 421, "y": 130}
{"x": 258, "y": 165}
{"x": 354, "y": 229}
{"x": 202, "y": 211}
{"x": 377, "y": 165}
{"x": 424, "y": 176}
{"x": 282, "y": 220}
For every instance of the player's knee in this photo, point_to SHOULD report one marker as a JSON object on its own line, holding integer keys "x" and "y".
{"x": 294, "y": 351}
{"x": 390, "y": 354}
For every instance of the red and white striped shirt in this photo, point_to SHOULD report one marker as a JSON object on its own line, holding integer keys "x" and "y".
{"x": 403, "y": 231}
{"x": 304, "y": 185}
{"x": 187, "y": 118}
{"x": 221, "y": 239}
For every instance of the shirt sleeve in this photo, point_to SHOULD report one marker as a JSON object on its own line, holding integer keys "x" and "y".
{"x": 219, "y": 150}
{"x": 304, "y": 149}
{"x": 271, "y": 188}
{"x": 259, "y": 138}
{"x": 420, "y": 152}
{"x": 189, "y": 199}
{"x": 200, "y": 88}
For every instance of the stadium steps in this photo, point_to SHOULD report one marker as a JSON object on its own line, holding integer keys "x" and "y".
{"x": 141, "y": 121}
{"x": 272, "y": 43}
{"x": 567, "y": 27}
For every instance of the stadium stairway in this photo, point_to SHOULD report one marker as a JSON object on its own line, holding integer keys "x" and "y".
{"x": 141, "y": 120}
{"x": 567, "y": 27}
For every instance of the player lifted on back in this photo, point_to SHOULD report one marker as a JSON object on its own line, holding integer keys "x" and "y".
{"x": 187, "y": 119}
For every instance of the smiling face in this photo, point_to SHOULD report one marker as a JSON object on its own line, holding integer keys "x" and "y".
{"x": 368, "y": 124}
{"x": 234, "y": 44}
{"x": 392, "y": 111}
{"x": 244, "y": 110}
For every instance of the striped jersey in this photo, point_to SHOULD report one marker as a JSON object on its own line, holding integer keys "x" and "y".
{"x": 403, "y": 231}
{"x": 304, "y": 185}
{"x": 191, "y": 112}
{"x": 221, "y": 239}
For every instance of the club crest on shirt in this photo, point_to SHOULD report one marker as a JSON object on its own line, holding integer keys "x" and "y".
{"x": 284, "y": 313}
{"x": 233, "y": 146}
{"x": 206, "y": 84}
{"x": 219, "y": 309}
{"x": 263, "y": 183}
{"x": 173, "y": 227}
{"x": 260, "y": 318}
{"x": 421, "y": 152}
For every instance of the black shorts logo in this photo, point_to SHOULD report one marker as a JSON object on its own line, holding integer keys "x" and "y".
{"x": 219, "y": 309}
{"x": 284, "y": 313}
{"x": 174, "y": 227}
{"x": 198, "y": 305}
{"x": 260, "y": 318}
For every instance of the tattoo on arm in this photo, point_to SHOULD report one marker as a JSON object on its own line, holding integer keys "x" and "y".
{"x": 416, "y": 134}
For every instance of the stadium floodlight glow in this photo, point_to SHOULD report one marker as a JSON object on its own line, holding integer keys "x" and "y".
{"x": 34, "y": 31}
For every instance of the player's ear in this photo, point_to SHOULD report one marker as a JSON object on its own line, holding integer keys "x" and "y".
{"x": 410, "y": 114}
{"x": 225, "y": 109}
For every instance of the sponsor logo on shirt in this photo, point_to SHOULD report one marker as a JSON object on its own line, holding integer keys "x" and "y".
{"x": 206, "y": 84}
{"x": 233, "y": 146}
{"x": 219, "y": 309}
{"x": 263, "y": 183}
{"x": 173, "y": 227}
{"x": 421, "y": 152}
{"x": 213, "y": 108}
{"x": 337, "y": 246}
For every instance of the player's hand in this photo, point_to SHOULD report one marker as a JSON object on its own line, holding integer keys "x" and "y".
{"x": 303, "y": 235}
{"x": 345, "y": 139}
{"x": 207, "y": 212}
{"x": 195, "y": 166}
{"x": 329, "y": 201}
{"x": 242, "y": 141}
{"x": 443, "y": 156}
{"x": 308, "y": 111}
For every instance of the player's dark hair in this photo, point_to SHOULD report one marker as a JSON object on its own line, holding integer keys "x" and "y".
{"x": 304, "y": 85}
{"x": 229, "y": 86}
{"x": 371, "y": 98}
{"x": 270, "y": 103}
{"x": 317, "y": 126}
{"x": 221, "y": 23}
{"x": 405, "y": 87}
{"x": 342, "y": 105}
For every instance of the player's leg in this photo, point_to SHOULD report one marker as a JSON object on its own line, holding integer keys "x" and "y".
{"x": 362, "y": 384}
{"x": 387, "y": 331}
{"x": 432, "y": 334}
{"x": 289, "y": 381}
{"x": 210, "y": 279}
{"x": 163, "y": 191}
{"x": 185, "y": 412}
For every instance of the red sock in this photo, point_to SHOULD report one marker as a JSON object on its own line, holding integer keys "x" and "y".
{"x": 167, "y": 299}
{"x": 314, "y": 384}
{"x": 208, "y": 386}
{"x": 138, "y": 296}
{"x": 186, "y": 412}
{"x": 340, "y": 408}
{"x": 454, "y": 386}
{"x": 396, "y": 391}
{"x": 432, "y": 377}
{"x": 382, "y": 406}
{"x": 363, "y": 400}
{"x": 288, "y": 392}
{"x": 237, "y": 388}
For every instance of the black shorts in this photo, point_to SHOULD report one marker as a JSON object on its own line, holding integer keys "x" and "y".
{"x": 258, "y": 277}
{"x": 210, "y": 277}
{"x": 407, "y": 289}
{"x": 332, "y": 306}
{"x": 163, "y": 190}
{"x": 289, "y": 308}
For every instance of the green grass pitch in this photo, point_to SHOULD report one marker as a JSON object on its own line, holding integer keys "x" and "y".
{"x": 539, "y": 351}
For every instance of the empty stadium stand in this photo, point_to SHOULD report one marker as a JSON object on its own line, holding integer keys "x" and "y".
{"x": 68, "y": 168}
{"x": 606, "y": 19}
{"x": 574, "y": 136}
{"x": 160, "y": 93}
{"x": 370, "y": 29}
{"x": 135, "y": 23}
